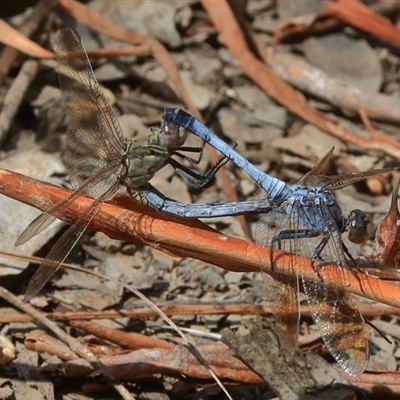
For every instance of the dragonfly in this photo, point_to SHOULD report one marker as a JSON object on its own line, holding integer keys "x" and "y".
{"x": 98, "y": 158}
{"x": 303, "y": 219}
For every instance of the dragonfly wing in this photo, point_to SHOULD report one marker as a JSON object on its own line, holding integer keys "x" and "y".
{"x": 38, "y": 225}
{"x": 45, "y": 219}
{"x": 341, "y": 326}
{"x": 334, "y": 182}
{"x": 94, "y": 138}
{"x": 318, "y": 169}
{"x": 281, "y": 292}
{"x": 95, "y": 143}
{"x": 58, "y": 253}
{"x": 333, "y": 310}
{"x": 63, "y": 246}
{"x": 94, "y": 151}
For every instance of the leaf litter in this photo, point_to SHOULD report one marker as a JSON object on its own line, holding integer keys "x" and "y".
{"x": 263, "y": 131}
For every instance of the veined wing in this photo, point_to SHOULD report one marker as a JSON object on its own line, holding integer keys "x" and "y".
{"x": 68, "y": 240}
{"x": 281, "y": 292}
{"x": 333, "y": 310}
{"x": 334, "y": 182}
{"x": 341, "y": 325}
{"x": 93, "y": 157}
{"x": 94, "y": 138}
{"x": 45, "y": 219}
{"x": 316, "y": 178}
{"x": 318, "y": 169}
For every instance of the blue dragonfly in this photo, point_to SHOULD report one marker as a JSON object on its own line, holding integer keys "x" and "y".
{"x": 304, "y": 219}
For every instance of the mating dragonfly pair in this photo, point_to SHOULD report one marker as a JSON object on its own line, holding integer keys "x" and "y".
{"x": 304, "y": 219}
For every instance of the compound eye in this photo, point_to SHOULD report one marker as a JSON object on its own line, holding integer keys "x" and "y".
{"x": 170, "y": 129}
{"x": 169, "y": 132}
{"x": 173, "y": 135}
{"x": 359, "y": 226}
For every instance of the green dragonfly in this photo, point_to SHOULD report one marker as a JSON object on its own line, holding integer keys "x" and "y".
{"x": 98, "y": 158}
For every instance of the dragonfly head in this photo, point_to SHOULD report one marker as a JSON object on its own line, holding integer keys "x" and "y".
{"x": 172, "y": 135}
{"x": 358, "y": 226}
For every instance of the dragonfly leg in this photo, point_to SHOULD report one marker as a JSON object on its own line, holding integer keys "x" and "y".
{"x": 198, "y": 181}
{"x": 318, "y": 250}
{"x": 345, "y": 249}
{"x": 199, "y": 150}
{"x": 317, "y": 255}
{"x": 291, "y": 234}
{"x": 294, "y": 234}
{"x": 303, "y": 234}
{"x": 353, "y": 261}
{"x": 192, "y": 160}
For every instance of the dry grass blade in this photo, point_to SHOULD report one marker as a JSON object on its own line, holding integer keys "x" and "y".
{"x": 29, "y": 26}
{"x": 163, "y": 358}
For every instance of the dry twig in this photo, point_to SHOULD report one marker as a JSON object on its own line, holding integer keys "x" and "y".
{"x": 189, "y": 238}
{"x": 276, "y": 88}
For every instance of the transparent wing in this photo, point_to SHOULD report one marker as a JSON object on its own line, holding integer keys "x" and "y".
{"x": 318, "y": 169}
{"x": 45, "y": 219}
{"x": 341, "y": 326}
{"x": 94, "y": 139}
{"x": 281, "y": 292}
{"x": 63, "y": 246}
{"x": 314, "y": 232}
{"x": 334, "y": 182}
{"x": 95, "y": 146}
{"x": 333, "y": 310}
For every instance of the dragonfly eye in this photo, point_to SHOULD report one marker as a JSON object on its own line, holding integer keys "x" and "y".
{"x": 172, "y": 135}
{"x": 359, "y": 226}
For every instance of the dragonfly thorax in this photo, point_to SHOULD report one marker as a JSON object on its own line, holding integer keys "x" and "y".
{"x": 312, "y": 197}
{"x": 315, "y": 208}
{"x": 141, "y": 161}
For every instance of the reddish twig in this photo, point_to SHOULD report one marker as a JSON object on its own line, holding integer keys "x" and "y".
{"x": 368, "y": 311}
{"x": 129, "y": 340}
{"x": 276, "y": 88}
{"x": 178, "y": 361}
{"x": 73, "y": 343}
{"x": 380, "y": 383}
{"x": 28, "y": 27}
{"x": 190, "y": 238}
{"x": 356, "y": 14}
{"x": 40, "y": 341}
{"x": 298, "y": 28}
